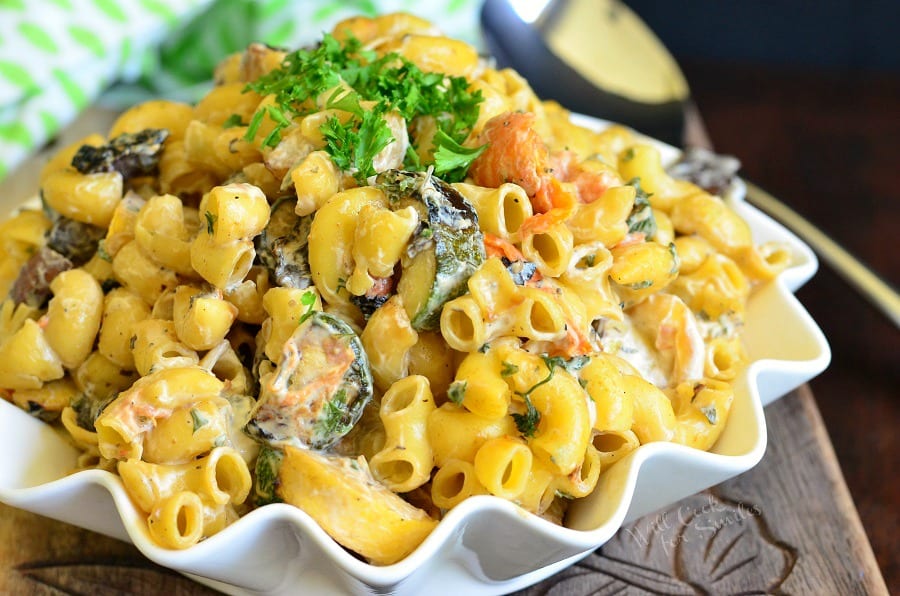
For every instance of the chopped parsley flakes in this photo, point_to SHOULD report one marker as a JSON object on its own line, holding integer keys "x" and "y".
{"x": 641, "y": 219}
{"x": 389, "y": 83}
{"x": 210, "y": 222}
{"x": 198, "y": 419}
{"x": 456, "y": 392}
{"x": 508, "y": 369}
{"x": 527, "y": 423}
{"x": 308, "y": 299}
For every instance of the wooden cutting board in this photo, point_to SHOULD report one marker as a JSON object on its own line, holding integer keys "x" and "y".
{"x": 787, "y": 526}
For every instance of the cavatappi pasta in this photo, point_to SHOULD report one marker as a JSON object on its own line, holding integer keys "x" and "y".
{"x": 370, "y": 279}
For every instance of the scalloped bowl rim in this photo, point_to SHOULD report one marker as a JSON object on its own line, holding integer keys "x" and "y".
{"x": 304, "y": 541}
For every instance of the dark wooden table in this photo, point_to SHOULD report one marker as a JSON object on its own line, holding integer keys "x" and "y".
{"x": 828, "y": 147}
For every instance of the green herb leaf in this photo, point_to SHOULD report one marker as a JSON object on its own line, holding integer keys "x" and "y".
{"x": 198, "y": 419}
{"x": 641, "y": 218}
{"x": 508, "y": 369}
{"x": 452, "y": 160}
{"x": 308, "y": 299}
{"x": 676, "y": 261}
{"x": 268, "y": 468}
{"x": 527, "y": 423}
{"x": 391, "y": 83}
{"x": 712, "y": 415}
{"x": 232, "y": 121}
{"x": 571, "y": 366}
{"x": 345, "y": 100}
{"x": 456, "y": 392}
{"x": 355, "y": 148}
{"x": 210, "y": 222}
{"x": 102, "y": 252}
{"x": 334, "y": 420}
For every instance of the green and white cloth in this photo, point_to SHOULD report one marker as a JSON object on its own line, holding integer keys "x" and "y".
{"x": 59, "y": 56}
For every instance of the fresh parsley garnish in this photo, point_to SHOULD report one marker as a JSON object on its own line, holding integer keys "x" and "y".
{"x": 210, "y": 222}
{"x": 641, "y": 218}
{"x": 676, "y": 261}
{"x": 198, "y": 419}
{"x": 572, "y": 366}
{"x": 457, "y": 391}
{"x": 232, "y": 121}
{"x": 334, "y": 421}
{"x": 508, "y": 369}
{"x": 527, "y": 423}
{"x": 102, "y": 252}
{"x": 308, "y": 300}
{"x": 389, "y": 83}
{"x": 452, "y": 160}
{"x": 356, "y": 148}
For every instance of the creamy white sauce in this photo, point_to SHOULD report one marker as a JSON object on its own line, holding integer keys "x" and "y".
{"x": 623, "y": 340}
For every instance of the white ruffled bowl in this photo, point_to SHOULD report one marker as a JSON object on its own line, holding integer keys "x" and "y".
{"x": 485, "y": 545}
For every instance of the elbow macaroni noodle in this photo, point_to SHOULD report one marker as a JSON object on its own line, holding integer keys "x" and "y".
{"x": 606, "y": 313}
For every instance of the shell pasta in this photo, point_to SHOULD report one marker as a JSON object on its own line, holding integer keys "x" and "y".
{"x": 307, "y": 289}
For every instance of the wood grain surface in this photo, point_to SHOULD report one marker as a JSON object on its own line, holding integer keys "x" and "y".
{"x": 787, "y": 526}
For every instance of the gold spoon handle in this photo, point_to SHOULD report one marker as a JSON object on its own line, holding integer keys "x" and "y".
{"x": 854, "y": 272}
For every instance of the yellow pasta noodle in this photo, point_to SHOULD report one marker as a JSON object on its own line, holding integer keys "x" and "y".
{"x": 73, "y": 316}
{"x": 406, "y": 460}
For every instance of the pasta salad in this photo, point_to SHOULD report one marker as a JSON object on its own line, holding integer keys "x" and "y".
{"x": 370, "y": 279}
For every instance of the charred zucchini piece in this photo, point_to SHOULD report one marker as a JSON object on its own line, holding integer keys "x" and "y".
{"x": 446, "y": 249}
{"x": 130, "y": 154}
{"x": 74, "y": 240}
{"x": 283, "y": 246}
{"x": 520, "y": 271}
{"x": 373, "y": 299}
{"x": 712, "y": 172}
{"x": 319, "y": 389}
{"x": 89, "y": 407}
{"x": 268, "y": 464}
{"x": 368, "y": 304}
{"x": 33, "y": 284}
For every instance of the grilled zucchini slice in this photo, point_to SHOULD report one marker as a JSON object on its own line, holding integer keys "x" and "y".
{"x": 283, "y": 246}
{"x": 318, "y": 390}
{"x": 445, "y": 251}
